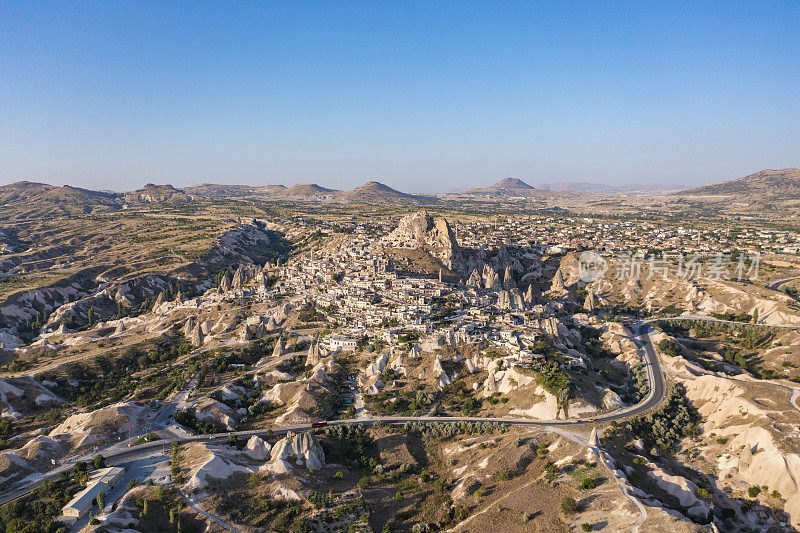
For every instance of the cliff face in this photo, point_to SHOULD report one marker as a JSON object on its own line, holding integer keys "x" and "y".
{"x": 433, "y": 235}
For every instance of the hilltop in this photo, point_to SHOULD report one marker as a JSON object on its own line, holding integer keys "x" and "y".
{"x": 307, "y": 191}
{"x": 158, "y": 193}
{"x": 769, "y": 183}
{"x": 511, "y": 187}
{"x": 38, "y": 199}
{"x": 374, "y": 192}
{"x": 512, "y": 184}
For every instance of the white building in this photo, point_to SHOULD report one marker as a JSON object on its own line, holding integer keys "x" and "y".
{"x": 102, "y": 480}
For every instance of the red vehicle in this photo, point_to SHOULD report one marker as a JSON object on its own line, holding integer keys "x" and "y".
{"x": 319, "y": 424}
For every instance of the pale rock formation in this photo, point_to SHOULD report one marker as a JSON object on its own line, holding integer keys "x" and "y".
{"x": 491, "y": 385}
{"x": 593, "y": 437}
{"x": 378, "y": 365}
{"x": 490, "y": 278}
{"x": 189, "y": 326}
{"x": 529, "y": 295}
{"x": 206, "y": 326}
{"x": 510, "y": 300}
{"x": 257, "y": 448}
{"x": 397, "y": 364}
{"x": 558, "y": 282}
{"x": 683, "y": 489}
{"x": 373, "y": 385}
{"x": 588, "y": 304}
{"x": 196, "y": 337}
{"x": 611, "y": 400}
{"x": 508, "y": 279}
{"x": 300, "y": 448}
{"x": 224, "y": 284}
{"x": 217, "y": 463}
{"x": 158, "y": 302}
{"x": 313, "y": 357}
{"x": 470, "y": 364}
{"x": 438, "y": 371}
{"x": 279, "y": 348}
{"x": 433, "y": 235}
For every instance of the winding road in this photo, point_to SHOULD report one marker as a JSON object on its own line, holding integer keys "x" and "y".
{"x": 121, "y": 453}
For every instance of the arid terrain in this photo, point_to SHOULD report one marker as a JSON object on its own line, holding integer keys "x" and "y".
{"x": 306, "y": 359}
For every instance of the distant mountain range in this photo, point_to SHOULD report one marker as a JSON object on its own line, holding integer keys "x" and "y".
{"x": 371, "y": 192}
{"x": 32, "y": 198}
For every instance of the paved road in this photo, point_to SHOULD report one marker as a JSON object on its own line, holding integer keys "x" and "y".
{"x": 703, "y": 318}
{"x": 776, "y": 285}
{"x": 117, "y": 455}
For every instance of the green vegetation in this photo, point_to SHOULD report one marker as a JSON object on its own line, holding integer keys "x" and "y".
{"x": 112, "y": 377}
{"x": 175, "y": 463}
{"x": 569, "y": 506}
{"x": 555, "y": 381}
{"x": 663, "y": 427}
{"x": 188, "y": 419}
{"x": 36, "y": 512}
{"x": 150, "y": 437}
{"x": 669, "y": 347}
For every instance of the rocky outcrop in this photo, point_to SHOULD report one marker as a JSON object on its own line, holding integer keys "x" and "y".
{"x": 433, "y": 235}
{"x": 510, "y": 300}
{"x": 257, "y": 448}
{"x": 588, "y": 304}
{"x": 279, "y": 348}
{"x": 508, "y": 279}
{"x": 558, "y": 283}
{"x": 440, "y": 374}
{"x": 313, "y": 357}
{"x": 302, "y": 449}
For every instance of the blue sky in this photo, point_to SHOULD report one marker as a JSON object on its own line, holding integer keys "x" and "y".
{"x": 426, "y": 97}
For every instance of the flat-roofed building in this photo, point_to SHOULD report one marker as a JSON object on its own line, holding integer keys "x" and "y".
{"x": 101, "y": 480}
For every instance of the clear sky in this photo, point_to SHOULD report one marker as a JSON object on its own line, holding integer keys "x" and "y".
{"x": 426, "y": 97}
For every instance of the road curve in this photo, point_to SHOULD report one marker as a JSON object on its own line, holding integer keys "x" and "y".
{"x": 655, "y": 396}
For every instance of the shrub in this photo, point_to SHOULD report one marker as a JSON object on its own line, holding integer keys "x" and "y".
{"x": 754, "y": 491}
{"x": 569, "y": 506}
{"x": 589, "y": 483}
{"x": 502, "y": 475}
{"x": 587, "y": 527}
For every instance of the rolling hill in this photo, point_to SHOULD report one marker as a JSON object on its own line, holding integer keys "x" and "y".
{"x": 511, "y": 188}
{"x": 152, "y": 193}
{"x": 374, "y": 192}
{"x": 769, "y": 183}
{"x": 307, "y": 191}
{"x": 39, "y": 199}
